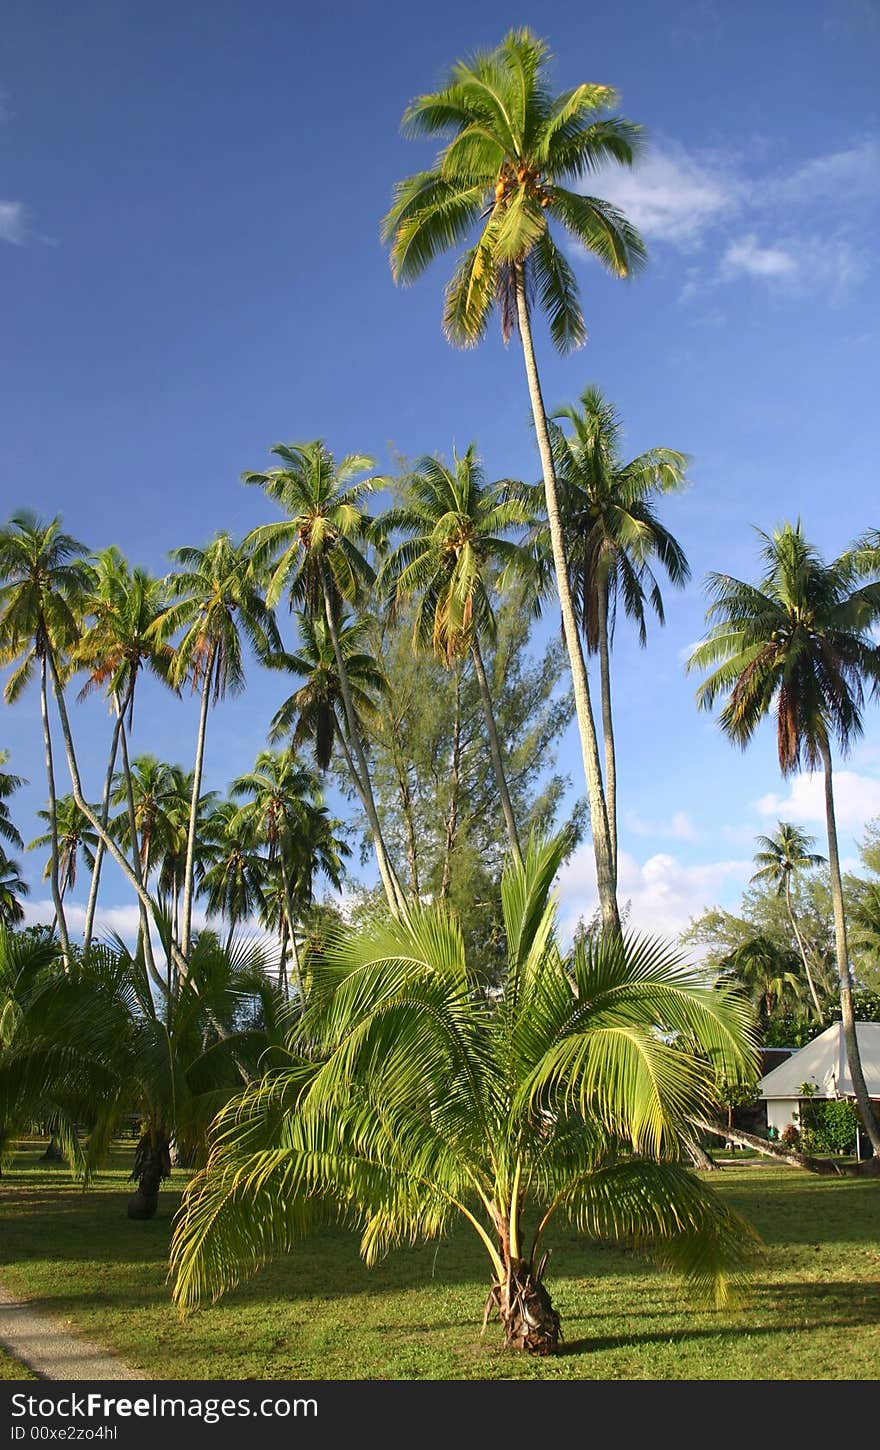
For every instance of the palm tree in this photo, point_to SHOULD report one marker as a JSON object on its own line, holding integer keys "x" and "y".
{"x": 778, "y": 860}
{"x": 417, "y": 1097}
{"x": 75, "y": 838}
{"x": 280, "y": 795}
{"x": 218, "y": 600}
{"x": 12, "y": 888}
{"x": 315, "y": 555}
{"x": 118, "y": 644}
{"x": 234, "y": 877}
{"x": 798, "y": 642}
{"x": 512, "y": 148}
{"x": 612, "y": 535}
{"x": 454, "y": 523}
{"x": 767, "y": 974}
{"x": 44, "y": 581}
{"x": 9, "y": 784}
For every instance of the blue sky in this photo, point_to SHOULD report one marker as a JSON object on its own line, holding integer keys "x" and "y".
{"x": 190, "y": 271}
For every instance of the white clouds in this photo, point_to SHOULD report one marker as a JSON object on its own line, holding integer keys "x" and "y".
{"x": 757, "y": 261}
{"x": 673, "y": 197}
{"x": 13, "y": 222}
{"x": 856, "y": 800}
{"x": 691, "y": 201}
{"x": 679, "y": 827}
{"x": 664, "y": 894}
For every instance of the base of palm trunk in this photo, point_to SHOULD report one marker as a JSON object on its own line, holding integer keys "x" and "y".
{"x": 152, "y": 1164}
{"x": 531, "y": 1324}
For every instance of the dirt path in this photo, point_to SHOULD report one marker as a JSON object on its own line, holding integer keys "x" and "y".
{"x": 53, "y": 1351}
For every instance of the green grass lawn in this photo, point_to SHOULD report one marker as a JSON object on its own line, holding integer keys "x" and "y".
{"x": 813, "y": 1312}
{"x": 13, "y": 1369}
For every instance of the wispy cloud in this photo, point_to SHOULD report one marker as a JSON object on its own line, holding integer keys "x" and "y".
{"x": 690, "y": 201}
{"x": 13, "y": 222}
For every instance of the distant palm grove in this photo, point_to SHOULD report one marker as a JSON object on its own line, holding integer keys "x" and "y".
{"x": 429, "y": 1049}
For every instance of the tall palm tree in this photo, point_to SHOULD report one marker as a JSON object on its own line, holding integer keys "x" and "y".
{"x": 279, "y": 796}
{"x": 43, "y": 582}
{"x": 75, "y": 838}
{"x": 454, "y": 525}
{"x": 799, "y": 642}
{"x": 315, "y": 556}
{"x": 12, "y": 889}
{"x": 612, "y": 536}
{"x": 413, "y": 1097}
{"x": 315, "y": 713}
{"x": 234, "y": 876}
{"x": 9, "y": 784}
{"x": 218, "y": 602}
{"x": 511, "y": 151}
{"x": 766, "y": 973}
{"x": 117, "y": 645}
{"x": 781, "y": 856}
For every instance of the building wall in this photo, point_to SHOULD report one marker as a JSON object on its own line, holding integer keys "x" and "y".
{"x": 781, "y": 1112}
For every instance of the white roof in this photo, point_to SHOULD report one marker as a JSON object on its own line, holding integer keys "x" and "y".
{"x": 823, "y": 1062}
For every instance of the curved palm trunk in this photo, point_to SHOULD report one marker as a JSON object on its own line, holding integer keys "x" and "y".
{"x": 860, "y": 1088}
{"x": 92, "y": 902}
{"x": 282, "y": 959}
{"x": 291, "y": 929}
{"x": 122, "y": 862}
{"x": 57, "y": 901}
{"x": 396, "y": 898}
{"x": 189, "y": 868}
{"x": 794, "y": 926}
{"x": 608, "y": 723}
{"x": 140, "y": 868}
{"x": 495, "y": 749}
{"x": 605, "y": 874}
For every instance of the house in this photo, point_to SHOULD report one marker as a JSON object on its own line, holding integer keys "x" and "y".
{"x": 823, "y": 1063}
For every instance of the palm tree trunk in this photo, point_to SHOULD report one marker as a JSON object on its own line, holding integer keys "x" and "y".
{"x": 794, "y": 927}
{"x": 282, "y": 958}
{"x": 92, "y": 903}
{"x": 608, "y": 723}
{"x": 396, "y": 898}
{"x": 605, "y": 874}
{"x": 189, "y": 869}
{"x": 860, "y": 1088}
{"x": 291, "y": 929}
{"x": 93, "y": 820}
{"x": 495, "y": 749}
{"x": 140, "y": 867}
{"x": 53, "y": 815}
{"x": 405, "y": 794}
{"x": 454, "y": 786}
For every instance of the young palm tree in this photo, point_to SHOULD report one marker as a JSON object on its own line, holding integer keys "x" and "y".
{"x": 234, "y": 878}
{"x": 505, "y": 170}
{"x": 9, "y": 784}
{"x": 280, "y": 797}
{"x": 798, "y": 642}
{"x": 418, "y": 1097}
{"x": 43, "y": 581}
{"x": 218, "y": 600}
{"x": 75, "y": 838}
{"x": 454, "y": 525}
{"x": 315, "y": 556}
{"x": 117, "y": 645}
{"x": 781, "y": 856}
{"x": 12, "y": 889}
{"x": 612, "y": 536}
{"x": 766, "y": 973}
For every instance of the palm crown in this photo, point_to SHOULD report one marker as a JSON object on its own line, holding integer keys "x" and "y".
{"x": 800, "y": 639}
{"x": 455, "y": 525}
{"x": 780, "y": 856}
{"x": 513, "y": 148}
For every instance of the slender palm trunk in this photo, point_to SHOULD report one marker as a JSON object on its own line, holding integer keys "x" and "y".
{"x": 605, "y": 874}
{"x": 291, "y": 929}
{"x": 282, "y": 959}
{"x": 94, "y": 821}
{"x": 139, "y": 866}
{"x": 92, "y": 903}
{"x": 608, "y": 722}
{"x": 495, "y": 749}
{"x": 794, "y": 926}
{"x": 189, "y": 869}
{"x": 396, "y": 898}
{"x": 57, "y": 900}
{"x": 406, "y": 806}
{"x": 860, "y": 1088}
{"x": 454, "y": 787}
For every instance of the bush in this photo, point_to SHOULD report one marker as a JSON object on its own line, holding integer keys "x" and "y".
{"x": 790, "y": 1136}
{"x": 837, "y": 1123}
